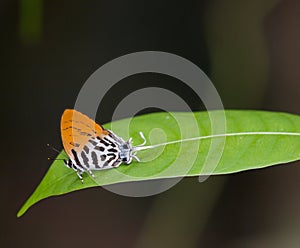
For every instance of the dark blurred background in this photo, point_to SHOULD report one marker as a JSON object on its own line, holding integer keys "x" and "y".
{"x": 250, "y": 50}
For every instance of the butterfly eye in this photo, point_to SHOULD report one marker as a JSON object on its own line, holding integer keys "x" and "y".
{"x": 125, "y": 146}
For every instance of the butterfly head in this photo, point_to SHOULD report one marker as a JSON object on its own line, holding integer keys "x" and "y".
{"x": 126, "y": 153}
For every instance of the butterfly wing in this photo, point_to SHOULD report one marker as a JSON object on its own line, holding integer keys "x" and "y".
{"x": 88, "y": 145}
{"x": 77, "y": 129}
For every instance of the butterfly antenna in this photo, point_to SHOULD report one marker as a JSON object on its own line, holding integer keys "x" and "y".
{"x": 143, "y": 138}
{"x": 142, "y": 146}
{"x": 54, "y": 149}
{"x": 52, "y": 159}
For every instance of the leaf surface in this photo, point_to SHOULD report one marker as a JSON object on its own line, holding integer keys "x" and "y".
{"x": 240, "y": 152}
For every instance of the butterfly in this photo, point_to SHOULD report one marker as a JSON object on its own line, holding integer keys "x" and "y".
{"x": 91, "y": 147}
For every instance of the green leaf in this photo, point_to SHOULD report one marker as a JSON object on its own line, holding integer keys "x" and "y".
{"x": 242, "y": 151}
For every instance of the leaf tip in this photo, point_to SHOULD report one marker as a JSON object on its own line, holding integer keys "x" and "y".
{"x": 21, "y": 212}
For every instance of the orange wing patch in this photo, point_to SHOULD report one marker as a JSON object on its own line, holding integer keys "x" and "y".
{"x": 77, "y": 129}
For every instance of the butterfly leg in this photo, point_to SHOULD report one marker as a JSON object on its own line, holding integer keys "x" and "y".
{"x": 68, "y": 163}
{"x": 91, "y": 173}
{"x": 136, "y": 158}
{"x": 79, "y": 174}
{"x": 143, "y": 138}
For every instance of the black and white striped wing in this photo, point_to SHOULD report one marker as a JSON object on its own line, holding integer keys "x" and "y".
{"x": 97, "y": 154}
